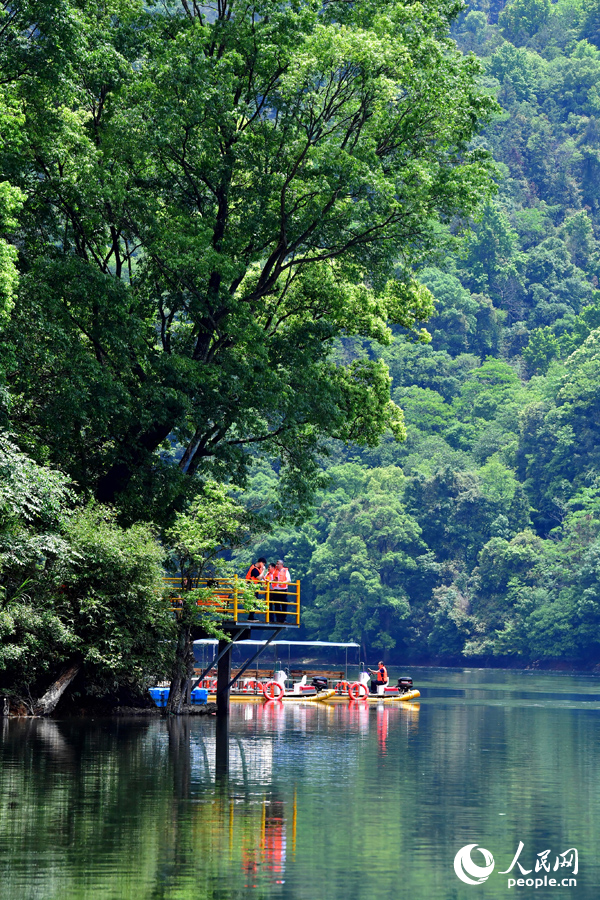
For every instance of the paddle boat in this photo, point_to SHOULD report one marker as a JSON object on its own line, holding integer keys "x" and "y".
{"x": 275, "y": 688}
{"x": 316, "y": 691}
{"x": 403, "y": 691}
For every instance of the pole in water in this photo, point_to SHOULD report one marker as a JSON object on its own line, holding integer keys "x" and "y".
{"x": 223, "y": 678}
{"x": 222, "y": 746}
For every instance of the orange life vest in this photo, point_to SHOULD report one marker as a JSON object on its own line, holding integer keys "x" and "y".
{"x": 281, "y": 579}
{"x": 249, "y": 576}
{"x": 382, "y": 675}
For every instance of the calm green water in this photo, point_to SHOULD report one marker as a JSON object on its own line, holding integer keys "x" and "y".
{"x": 319, "y": 803}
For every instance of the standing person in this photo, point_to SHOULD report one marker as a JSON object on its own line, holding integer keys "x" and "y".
{"x": 256, "y": 573}
{"x": 382, "y": 677}
{"x": 280, "y": 580}
{"x": 270, "y": 577}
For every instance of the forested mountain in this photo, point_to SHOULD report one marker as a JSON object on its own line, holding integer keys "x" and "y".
{"x": 479, "y": 536}
{"x": 222, "y": 230}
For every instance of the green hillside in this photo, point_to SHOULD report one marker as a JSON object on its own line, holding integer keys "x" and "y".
{"x": 478, "y": 537}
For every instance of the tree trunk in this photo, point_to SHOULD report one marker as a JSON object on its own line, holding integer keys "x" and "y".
{"x": 47, "y": 704}
{"x": 183, "y": 670}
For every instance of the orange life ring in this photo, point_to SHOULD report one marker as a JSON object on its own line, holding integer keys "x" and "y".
{"x": 252, "y": 686}
{"x": 342, "y": 687}
{"x": 356, "y": 691}
{"x": 272, "y": 690}
{"x": 213, "y": 685}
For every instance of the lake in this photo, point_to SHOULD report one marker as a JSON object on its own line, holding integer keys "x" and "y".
{"x": 317, "y": 802}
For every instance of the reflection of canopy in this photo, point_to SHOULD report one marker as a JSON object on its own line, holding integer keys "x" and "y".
{"x": 249, "y": 643}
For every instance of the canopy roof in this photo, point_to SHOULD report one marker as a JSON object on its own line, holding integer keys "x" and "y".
{"x": 213, "y": 641}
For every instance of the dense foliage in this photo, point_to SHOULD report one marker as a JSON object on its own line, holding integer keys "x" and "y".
{"x": 210, "y": 196}
{"x": 197, "y": 204}
{"x": 484, "y": 540}
{"x": 75, "y": 587}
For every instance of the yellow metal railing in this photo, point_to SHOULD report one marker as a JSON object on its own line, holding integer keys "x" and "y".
{"x": 279, "y": 606}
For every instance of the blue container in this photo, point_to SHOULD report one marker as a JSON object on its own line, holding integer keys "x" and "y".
{"x": 199, "y": 696}
{"x": 160, "y": 696}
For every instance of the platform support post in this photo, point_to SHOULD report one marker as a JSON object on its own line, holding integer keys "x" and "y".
{"x": 222, "y": 747}
{"x": 223, "y": 678}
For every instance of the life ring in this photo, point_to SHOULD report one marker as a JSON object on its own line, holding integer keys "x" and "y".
{"x": 358, "y": 691}
{"x": 213, "y": 685}
{"x": 342, "y": 687}
{"x": 272, "y": 690}
{"x": 252, "y": 686}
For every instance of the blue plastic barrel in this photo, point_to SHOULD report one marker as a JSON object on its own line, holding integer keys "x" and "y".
{"x": 160, "y": 696}
{"x": 199, "y": 696}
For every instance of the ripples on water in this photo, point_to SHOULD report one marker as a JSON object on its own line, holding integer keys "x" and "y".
{"x": 319, "y": 802}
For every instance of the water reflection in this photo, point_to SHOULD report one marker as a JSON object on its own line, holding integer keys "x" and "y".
{"x": 296, "y": 801}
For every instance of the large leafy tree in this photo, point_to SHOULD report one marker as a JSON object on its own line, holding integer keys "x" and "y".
{"x": 214, "y": 194}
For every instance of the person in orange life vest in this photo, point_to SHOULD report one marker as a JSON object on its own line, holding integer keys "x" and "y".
{"x": 256, "y": 573}
{"x": 382, "y": 677}
{"x": 280, "y": 580}
{"x": 270, "y": 577}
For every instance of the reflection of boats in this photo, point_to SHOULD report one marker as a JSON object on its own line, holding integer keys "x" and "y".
{"x": 265, "y": 860}
{"x": 388, "y": 698}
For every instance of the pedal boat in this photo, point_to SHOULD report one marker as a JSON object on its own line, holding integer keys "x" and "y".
{"x": 359, "y": 691}
{"x": 300, "y": 691}
{"x": 275, "y": 689}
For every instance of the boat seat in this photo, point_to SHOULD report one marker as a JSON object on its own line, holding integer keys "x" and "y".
{"x": 299, "y": 684}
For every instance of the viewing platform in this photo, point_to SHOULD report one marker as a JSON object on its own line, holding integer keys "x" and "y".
{"x": 224, "y": 597}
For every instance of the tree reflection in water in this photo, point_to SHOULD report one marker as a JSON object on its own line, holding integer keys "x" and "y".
{"x": 147, "y": 810}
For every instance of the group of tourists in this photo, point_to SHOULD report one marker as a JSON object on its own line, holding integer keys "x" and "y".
{"x": 278, "y": 578}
